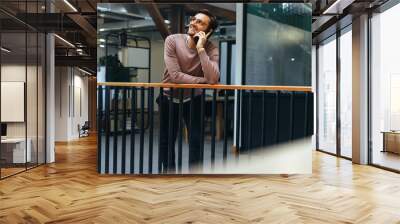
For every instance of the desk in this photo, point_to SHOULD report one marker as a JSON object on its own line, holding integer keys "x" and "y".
{"x": 13, "y": 150}
{"x": 391, "y": 141}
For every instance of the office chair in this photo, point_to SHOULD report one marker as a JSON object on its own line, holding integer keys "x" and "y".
{"x": 84, "y": 130}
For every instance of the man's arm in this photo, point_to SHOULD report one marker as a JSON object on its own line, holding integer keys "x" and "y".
{"x": 171, "y": 62}
{"x": 209, "y": 65}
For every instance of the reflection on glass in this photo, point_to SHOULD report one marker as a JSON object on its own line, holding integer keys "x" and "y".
{"x": 278, "y": 44}
{"x": 346, "y": 94}
{"x": 327, "y": 97}
{"x": 385, "y": 89}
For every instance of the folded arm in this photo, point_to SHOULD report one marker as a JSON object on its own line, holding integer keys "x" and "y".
{"x": 209, "y": 64}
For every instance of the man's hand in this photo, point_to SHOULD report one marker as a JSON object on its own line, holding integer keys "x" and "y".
{"x": 202, "y": 39}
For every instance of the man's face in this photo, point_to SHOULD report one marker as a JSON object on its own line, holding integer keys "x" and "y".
{"x": 198, "y": 23}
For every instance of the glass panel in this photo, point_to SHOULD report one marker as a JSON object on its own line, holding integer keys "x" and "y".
{"x": 31, "y": 97}
{"x": 13, "y": 80}
{"x": 314, "y": 85}
{"x": 41, "y": 99}
{"x": 32, "y": 86}
{"x": 346, "y": 94}
{"x": 385, "y": 89}
{"x": 327, "y": 96}
{"x": 278, "y": 48}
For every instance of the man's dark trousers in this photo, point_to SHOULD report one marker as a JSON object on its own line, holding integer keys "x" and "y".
{"x": 192, "y": 120}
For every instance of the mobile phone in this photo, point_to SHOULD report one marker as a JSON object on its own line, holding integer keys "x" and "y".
{"x": 196, "y": 38}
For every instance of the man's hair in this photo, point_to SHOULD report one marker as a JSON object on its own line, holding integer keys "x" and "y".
{"x": 213, "y": 20}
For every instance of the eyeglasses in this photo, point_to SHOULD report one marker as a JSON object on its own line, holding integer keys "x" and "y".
{"x": 193, "y": 19}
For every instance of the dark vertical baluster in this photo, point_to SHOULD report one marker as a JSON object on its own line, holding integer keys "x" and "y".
{"x": 277, "y": 117}
{"x": 180, "y": 126}
{"x": 249, "y": 125}
{"x": 291, "y": 111}
{"x": 213, "y": 123}
{"x": 107, "y": 134}
{"x": 123, "y": 163}
{"x": 202, "y": 113}
{"x": 263, "y": 118}
{"x": 305, "y": 114}
{"x": 190, "y": 123}
{"x": 133, "y": 119}
{"x": 141, "y": 155}
{"x": 160, "y": 112}
{"x": 225, "y": 147}
{"x": 99, "y": 125}
{"x": 151, "y": 127}
{"x": 115, "y": 141}
{"x": 238, "y": 124}
{"x": 170, "y": 132}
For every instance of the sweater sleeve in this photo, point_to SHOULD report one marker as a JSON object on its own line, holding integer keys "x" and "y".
{"x": 171, "y": 62}
{"x": 209, "y": 64}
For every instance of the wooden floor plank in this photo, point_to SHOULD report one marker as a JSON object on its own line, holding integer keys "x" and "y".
{"x": 71, "y": 191}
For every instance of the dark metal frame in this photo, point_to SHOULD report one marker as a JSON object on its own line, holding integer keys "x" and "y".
{"x": 229, "y": 44}
{"x": 134, "y": 38}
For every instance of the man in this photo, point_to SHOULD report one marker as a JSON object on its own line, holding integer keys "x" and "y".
{"x": 189, "y": 59}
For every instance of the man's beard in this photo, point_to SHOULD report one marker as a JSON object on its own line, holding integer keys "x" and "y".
{"x": 191, "y": 32}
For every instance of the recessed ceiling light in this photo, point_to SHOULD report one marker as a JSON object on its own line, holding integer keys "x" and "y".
{"x": 332, "y": 7}
{"x": 64, "y": 40}
{"x": 86, "y": 72}
{"x": 70, "y": 5}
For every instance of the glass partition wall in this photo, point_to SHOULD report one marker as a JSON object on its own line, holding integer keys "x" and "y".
{"x": 22, "y": 79}
{"x": 334, "y": 84}
{"x": 346, "y": 92}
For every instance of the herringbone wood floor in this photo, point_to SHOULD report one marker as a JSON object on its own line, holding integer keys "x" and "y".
{"x": 70, "y": 191}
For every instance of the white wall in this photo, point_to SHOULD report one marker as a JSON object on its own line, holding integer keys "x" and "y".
{"x": 33, "y": 126}
{"x": 71, "y": 102}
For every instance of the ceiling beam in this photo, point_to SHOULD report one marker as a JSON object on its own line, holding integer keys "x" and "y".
{"x": 84, "y": 24}
{"x": 81, "y": 21}
{"x": 83, "y": 61}
{"x": 157, "y": 18}
{"x": 127, "y": 25}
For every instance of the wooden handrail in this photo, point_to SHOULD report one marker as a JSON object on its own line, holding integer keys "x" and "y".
{"x": 207, "y": 86}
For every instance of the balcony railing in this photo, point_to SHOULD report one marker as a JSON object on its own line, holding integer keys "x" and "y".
{"x": 221, "y": 123}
